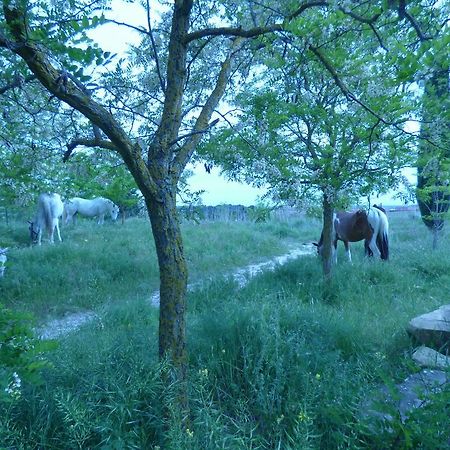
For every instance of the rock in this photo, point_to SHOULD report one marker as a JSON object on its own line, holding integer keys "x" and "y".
{"x": 432, "y": 329}
{"x": 427, "y": 357}
{"x": 400, "y": 400}
{"x": 416, "y": 389}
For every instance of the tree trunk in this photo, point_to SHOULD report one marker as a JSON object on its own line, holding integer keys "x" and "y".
{"x": 328, "y": 233}
{"x": 436, "y": 232}
{"x": 173, "y": 280}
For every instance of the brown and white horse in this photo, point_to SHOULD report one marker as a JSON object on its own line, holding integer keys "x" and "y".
{"x": 372, "y": 226}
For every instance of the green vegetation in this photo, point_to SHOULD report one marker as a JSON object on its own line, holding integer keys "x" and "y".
{"x": 283, "y": 363}
{"x": 94, "y": 265}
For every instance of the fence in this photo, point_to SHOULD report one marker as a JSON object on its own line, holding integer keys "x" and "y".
{"x": 236, "y": 213}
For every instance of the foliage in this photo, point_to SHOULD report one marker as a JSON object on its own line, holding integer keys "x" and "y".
{"x": 21, "y": 354}
{"x": 101, "y": 175}
{"x": 260, "y": 212}
{"x": 301, "y": 132}
{"x": 36, "y": 127}
{"x": 433, "y": 192}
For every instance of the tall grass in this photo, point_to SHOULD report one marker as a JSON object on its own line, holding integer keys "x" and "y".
{"x": 98, "y": 265}
{"x": 283, "y": 363}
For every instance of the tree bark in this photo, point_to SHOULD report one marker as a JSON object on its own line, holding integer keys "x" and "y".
{"x": 435, "y": 238}
{"x": 172, "y": 294}
{"x": 173, "y": 277}
{"x": 328, "y": 228}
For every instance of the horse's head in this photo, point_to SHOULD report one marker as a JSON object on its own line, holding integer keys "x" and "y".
{"x": 34, "y": 232}
{"x": 114, "y": 212}
{"x": 319, "y": 245}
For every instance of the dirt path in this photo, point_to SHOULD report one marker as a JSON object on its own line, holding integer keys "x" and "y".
{"x": 60, "y": 327}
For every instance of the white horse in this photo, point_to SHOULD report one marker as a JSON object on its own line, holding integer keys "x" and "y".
{"x": 3, "y": 258}
{"x": 96, "y": 207}
{"x": 50, "y": 209}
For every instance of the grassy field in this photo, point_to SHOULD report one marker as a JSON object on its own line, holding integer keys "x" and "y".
{"x": 96, "y": 265}
{"x": 283, "y": 363}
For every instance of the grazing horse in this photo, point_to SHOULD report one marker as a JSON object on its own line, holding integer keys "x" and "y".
{"x": 372, "y": 226}
{"x": 3, "y": 258}
{"x": 96, "y": 207}
{"x": 50, "y": 209}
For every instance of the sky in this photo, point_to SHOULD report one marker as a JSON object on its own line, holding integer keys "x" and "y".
{"x": 221, "y": 191}
{"x": 218, "y": 190}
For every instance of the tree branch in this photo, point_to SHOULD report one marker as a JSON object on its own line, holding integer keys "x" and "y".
{"x": 152, "y": 39}
{"x": 201, "y": 123}
{"x": 404, "y": 14}
{"x": 102, "y": 143}
{"x": 193, "y": 133}
{"x": 77, "y": 98}
{"x": 359, "y": 18}
{"x": 232, "y": 31}
{"x": 302, "y": 8}
{"x": 258, "y": 31}
{"x": 127, "y": 25}
{"x": 18, "y": 81}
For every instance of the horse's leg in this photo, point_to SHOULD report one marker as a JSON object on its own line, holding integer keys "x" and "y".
{"x": 373, "y": 246}
{"x": 101, "y": 219}
{"x": 334, "y": 249}
{"x": 57, "y": 230}
{"x": 367, "y": 251}
{"x": 40, "y": 236}
{"x": 51, "y": 231}
{"x": 376, "y": 223}
{"x": 347, "y": 250}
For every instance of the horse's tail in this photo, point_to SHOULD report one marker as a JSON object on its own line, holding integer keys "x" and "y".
{"x": 383, "y": 234}
{"x": 46, "y": 212}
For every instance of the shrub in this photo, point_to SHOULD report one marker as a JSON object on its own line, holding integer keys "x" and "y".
{"x": 21, "y": 353}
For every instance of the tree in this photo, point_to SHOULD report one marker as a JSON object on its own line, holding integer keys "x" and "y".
{"x": 41, "y": 36}
{"x": 308, "y": 138}
{"x": 188, "y": 49}
{"x": 433, "y": 167}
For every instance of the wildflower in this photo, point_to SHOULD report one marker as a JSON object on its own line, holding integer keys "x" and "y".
{"x": 302, "y": 416}
{"x": 279, "y": 419}
{"x": 203, "y": 372}
{"x": 318, "y": 376}
{"x": 189, "y": 433}
{"x": 13, "y": 388}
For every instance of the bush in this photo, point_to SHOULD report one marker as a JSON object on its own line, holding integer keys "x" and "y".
{"x": 21, "y": 353}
